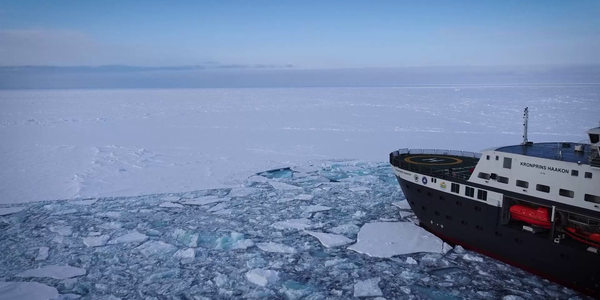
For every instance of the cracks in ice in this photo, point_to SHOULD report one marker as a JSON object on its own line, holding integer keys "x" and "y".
{"x": 283, "y": 234}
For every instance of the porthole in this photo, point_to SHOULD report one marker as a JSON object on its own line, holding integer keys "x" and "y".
{"x": 464, "y": 222}
{"x": 518, "y": 241}
{"x": 458, "y": 203}
{"x": 498, "y": 234}
{"x": 477, "y": 208}
{"x": 448, "y": 218}
{"x": 437, "y": 213}
{"x": 478, "y": 227}
{"x": 419, "y": 191}
{"x": 442, "y": 198}
{"x": 423, "y": 208}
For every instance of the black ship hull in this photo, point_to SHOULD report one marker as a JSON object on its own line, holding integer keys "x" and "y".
{"x": 477, "y": 227}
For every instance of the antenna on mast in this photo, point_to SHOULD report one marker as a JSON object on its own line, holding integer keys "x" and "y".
{"x": 525, "y": 121}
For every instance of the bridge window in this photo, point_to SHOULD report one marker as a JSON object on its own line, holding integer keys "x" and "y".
{"x": 507, "y": 162}
{"x": 455, "y": 188}
{"x": 523, "y": 184}
{"x": 482, "y": 195}
{"x": 594, "y": 138}
{"x": 592, "y": 198}
{"x": 574, "y": 173}
{"x": 469, "y": 191}
{"x": 542, "y": 188}
{"x": 497, "y": 157}
{"x": 485, "y": 176}
{"x": 588, "y": 175}
{"x": 502, "y": 179}
{"x": 566, "y": 193}
{"x": 487, "y": 157}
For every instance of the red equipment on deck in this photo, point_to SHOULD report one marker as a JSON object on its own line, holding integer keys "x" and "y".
{"x": 592, "y": 239}
{"x": 534, "y": 216}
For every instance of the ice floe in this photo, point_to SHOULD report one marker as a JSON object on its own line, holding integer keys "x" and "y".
{"x": 299, "y": 224}
{"x": 203, "y": 200}
{"x": 27, "y": 291}
{"x": 96, "y": 241}
{"x": 283, "y": 186}
{"x": 401, "y": 204}
{"x": 187, "y": 253}
{"x": 156, "y": 248}
{"x": 314, "y": 208}
{"x": 10, "y": 210}
{"x": 62, "y": 230}
{"x": 132, "y": 237}
{"x": 42, "y": 253}
{"x": 262, "y": 277}
{"x": 54, "y": 271}
{"x": 170, "y": 205}
{"x": 387, "y": 239}
{"x": 330, "y": 240}
{"x": 367, "y": 288}
{"x": 83, "y": 202}
{"x": 275, "y": 247}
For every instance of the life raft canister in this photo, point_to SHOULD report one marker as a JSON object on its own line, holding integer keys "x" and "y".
{"x": 534, "y": 216}
{"x": 592, "y": 239}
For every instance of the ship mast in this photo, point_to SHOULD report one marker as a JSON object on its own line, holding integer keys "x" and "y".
{"x": 525, "y": 121}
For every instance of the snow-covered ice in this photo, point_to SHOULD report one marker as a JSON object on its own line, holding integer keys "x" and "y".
{"x": 388, "y": 239}
{"x": 156, "y": 248}
{"x": 120, "y": 154}
{"x": 54, "y": 271}
{"x": 27, "y": 291}
{"x": 330, "y": 240}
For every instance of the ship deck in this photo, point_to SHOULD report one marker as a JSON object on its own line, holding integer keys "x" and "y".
{"x": 556, "y": 151}
{"x": 437, "y": 163}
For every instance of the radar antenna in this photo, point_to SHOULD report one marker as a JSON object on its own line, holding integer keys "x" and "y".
{"x": 525, "y": 121}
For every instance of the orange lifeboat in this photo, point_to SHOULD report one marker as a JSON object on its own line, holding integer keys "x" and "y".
{"x": 592, "y": 239}
{"x": 534, "y": 216}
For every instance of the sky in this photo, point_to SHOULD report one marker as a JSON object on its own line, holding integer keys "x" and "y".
{"x": 299, "y": 34}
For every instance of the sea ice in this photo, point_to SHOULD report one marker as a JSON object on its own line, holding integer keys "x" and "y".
{"x": 10, "y": 210}
{"x": 472, "y": 257}
{"x": 218, "y": 207}
{"x": 83, "y": 202}
{"x": 187, "y": 253}
{"x": 171, "y": 198}
{"x": 401, "y": 204}
{"x": 360, "y": 189}
{"x": 304, "y": 197}
{"x": 283, "y": 186}
{"x": 54, "y": 271}
{"x": 275, "y": 247}
{"x": 185, "y": 238}
{"x": 96, "y": 241}
{"x": 62, "y": 230}
{"x": 233, "y": 241}
{"x": 156, "y": 248}
{"x": 27, "y": 291}
{"x": 262, "y": 277}
{"x": 411, "y": 261}
{"x": 203, "y": 200}
{"x": 299, "y": 224}
{"x": 395, "y": 238}
{"x": 132, "y": 237}
{"x": 367, "y": 288}
{"x": 346, "y": 229}
{"x": 42, "y": 253}
{"x": 243, "y": 192}
{"x": 330, "y": 240}
{"x": 314, "y": 208}
{"x": 170, "y": 205}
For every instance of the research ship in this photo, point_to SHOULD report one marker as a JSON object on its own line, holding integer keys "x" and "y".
{"x": 533, "y": 205}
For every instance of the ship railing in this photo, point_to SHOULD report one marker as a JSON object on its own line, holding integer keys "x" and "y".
{"x": 435, "y": 152}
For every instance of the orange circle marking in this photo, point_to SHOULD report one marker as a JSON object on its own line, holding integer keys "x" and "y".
{"x": 456, "y": 161}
